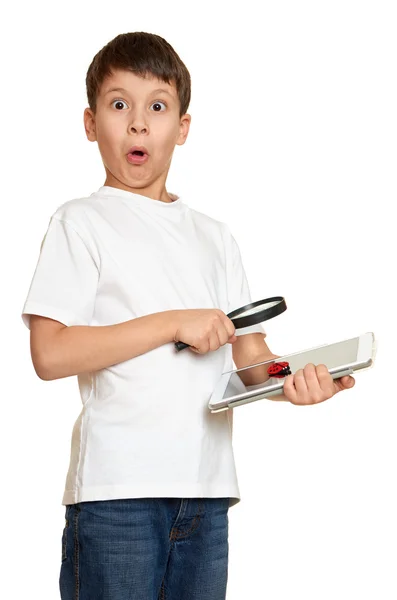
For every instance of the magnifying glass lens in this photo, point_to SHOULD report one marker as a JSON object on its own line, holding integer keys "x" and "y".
{"x": 251, "y": 311}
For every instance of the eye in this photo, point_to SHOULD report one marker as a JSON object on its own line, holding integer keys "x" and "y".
{"x": 118, "y": 102}
{"x": 157, "y": 103}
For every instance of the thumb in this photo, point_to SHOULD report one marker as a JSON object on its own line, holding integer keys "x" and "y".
{"x": 348, "y": 381}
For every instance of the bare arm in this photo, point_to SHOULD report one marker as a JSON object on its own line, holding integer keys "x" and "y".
{"x": 81, "y": 348}
{"x": 259, "y": 374}
{"x": 251, "y": 349}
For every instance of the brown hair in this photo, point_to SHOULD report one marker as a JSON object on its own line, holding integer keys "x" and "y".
{"x": 142, "y": 53}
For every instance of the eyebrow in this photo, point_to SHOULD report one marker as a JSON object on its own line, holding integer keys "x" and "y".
{"x": 152, "y": 92}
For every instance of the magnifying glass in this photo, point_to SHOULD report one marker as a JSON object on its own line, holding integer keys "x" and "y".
{"x": 251, "y": 314}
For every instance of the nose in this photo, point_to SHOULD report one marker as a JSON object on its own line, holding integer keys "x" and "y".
{"x": 138, "y": 124}
{"x": 138, "y": 128}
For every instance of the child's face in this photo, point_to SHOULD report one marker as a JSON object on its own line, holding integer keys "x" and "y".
{"x": 136, "y": 116}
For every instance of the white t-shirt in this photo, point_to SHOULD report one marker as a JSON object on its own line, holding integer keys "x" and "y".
{"x": 145, "y": 429}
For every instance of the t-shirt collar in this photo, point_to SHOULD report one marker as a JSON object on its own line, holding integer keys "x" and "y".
{"x": 139, "y": 199}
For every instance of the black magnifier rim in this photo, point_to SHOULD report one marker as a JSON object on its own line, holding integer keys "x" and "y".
{"x": 261, "y": 315}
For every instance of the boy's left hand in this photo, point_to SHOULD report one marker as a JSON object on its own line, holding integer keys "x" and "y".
{"x": 314, "y": 384}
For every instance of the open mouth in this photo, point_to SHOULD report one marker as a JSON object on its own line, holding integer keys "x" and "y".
{"x": 137, "y": 157}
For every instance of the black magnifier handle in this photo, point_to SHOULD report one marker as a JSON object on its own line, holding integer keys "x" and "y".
{"x": 260, "y": 311}
{"x": 182, "y": 345}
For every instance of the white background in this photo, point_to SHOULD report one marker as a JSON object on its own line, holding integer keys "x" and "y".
{"x": 293, "y": 144}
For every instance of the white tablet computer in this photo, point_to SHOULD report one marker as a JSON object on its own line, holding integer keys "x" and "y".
{"x": 341, "y": 358}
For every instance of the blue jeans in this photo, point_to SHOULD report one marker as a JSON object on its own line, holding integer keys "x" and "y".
{"x": 145, "y": 549}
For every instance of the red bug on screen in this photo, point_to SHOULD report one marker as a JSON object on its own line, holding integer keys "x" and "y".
{"x": 279, "y": 369}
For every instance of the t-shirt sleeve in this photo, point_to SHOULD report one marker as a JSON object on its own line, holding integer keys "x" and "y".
{"x": 237, "y": 284}
{"x": 65, "y": 280}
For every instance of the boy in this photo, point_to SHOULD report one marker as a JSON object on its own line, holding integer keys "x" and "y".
{"x": 122, "y": 275}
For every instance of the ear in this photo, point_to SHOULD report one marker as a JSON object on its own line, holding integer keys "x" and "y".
{"x": 184, "y": 127}
{"x": 89, "y": 125}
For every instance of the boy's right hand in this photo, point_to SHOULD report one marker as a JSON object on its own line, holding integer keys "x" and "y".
{"x": 204, "y": 329}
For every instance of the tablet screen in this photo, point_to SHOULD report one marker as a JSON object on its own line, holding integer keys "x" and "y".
{"x": 333, "y": 355}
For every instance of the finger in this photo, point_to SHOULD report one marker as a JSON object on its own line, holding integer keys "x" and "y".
{"x": 202, "y": 346}
{"x": 301, "y": 387}
{"x": 348, "y": 381}
{"x": 314, "y": 391}
{"x": 213, "y": 341}
{"x": 289, "y": 390}
{"x": 223, "y": 335}
{"x": 193, "y": 349}
{"x": 326, "y": 383}
{"x": 229, "y": 326}
{"x": 343, "y": 383}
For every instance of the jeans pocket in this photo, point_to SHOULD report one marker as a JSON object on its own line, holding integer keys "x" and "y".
{"x": 65, "y": 535}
